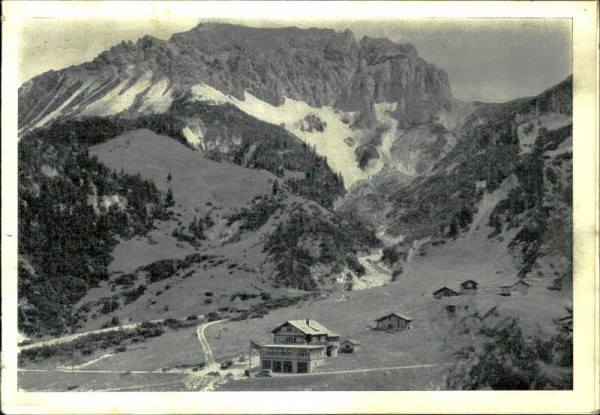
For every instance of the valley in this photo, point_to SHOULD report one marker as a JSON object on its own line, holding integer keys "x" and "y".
{"x": 170, "y": 218}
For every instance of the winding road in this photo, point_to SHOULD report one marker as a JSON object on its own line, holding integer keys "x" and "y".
{"x": 71, "y": 337}
{"x": 205, "y": 346}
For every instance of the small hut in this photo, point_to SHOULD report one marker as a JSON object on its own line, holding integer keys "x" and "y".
{"x": 393, "y": 322}
{"x": 519, "y": 287}
{"x": 349, "y": 346}
{"x": 469, "y": 287}
{"x": 444, "y": 292}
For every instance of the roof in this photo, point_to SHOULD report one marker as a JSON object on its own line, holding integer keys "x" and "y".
{"x": 512, "y": 285}
{"x": 313, "y": 327}
{"x": 395, "y": 314}
{"x": 354, "y": 342}
{"x": 444, "y": 289}
{"x": 464, "y": 283}
{"x": 295, "y": 346}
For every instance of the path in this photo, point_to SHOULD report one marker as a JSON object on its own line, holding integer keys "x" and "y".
{"x": 71, "y": 337}
{"x": 205, "y": 346}
{"x": 337, "y": 372}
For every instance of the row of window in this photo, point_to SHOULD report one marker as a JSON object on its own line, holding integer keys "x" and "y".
{"x": 285, "y": 366}
{"x": 283, "y": 352}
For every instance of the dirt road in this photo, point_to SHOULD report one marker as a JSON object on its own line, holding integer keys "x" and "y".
{"x": 71, "y": 337}
{"x": 205, "y": 346}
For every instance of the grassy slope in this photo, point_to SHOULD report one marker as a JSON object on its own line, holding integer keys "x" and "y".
{"x": 196, "y": 183}
{"x": 472, "y": 255}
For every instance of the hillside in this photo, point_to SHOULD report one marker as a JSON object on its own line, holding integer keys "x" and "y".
{"x": 522, "y": 147}
{"x": 179, "y": 199}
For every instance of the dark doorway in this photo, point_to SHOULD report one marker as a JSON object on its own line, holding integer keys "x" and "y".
{"x": 302, "y": 367}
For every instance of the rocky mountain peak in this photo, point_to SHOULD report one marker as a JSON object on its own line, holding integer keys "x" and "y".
{"x": 321, "y": 67}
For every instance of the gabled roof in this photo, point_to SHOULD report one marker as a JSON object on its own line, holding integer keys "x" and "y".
{"x": 394, "y": 314}
{"x": 520, "y": 282}
{"x": 445, "y": 289}
{"x": 354, "y": 342}
{"x": 313, "y": 327}
{"x": 467, "y": 282}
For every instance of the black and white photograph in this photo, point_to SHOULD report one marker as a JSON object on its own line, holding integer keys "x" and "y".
{"x": 218, "y": 203}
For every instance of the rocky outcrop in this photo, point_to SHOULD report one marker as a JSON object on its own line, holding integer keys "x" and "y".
{"x": 391, "y": 72}
{"x": 321, "y": 67}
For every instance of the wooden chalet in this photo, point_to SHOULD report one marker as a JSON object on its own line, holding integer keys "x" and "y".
{"x": 393, "y": 322}
{"x": 468, "y": 287}
{"x": 444, "y": 292}
{"x": 519, "y": 287}
{"x": 299, "y": 346}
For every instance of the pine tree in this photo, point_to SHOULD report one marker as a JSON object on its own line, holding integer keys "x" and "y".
{"x": 169, "y": 177}
{"x": 276, "y": 188}
{"x": 169, "y": 200}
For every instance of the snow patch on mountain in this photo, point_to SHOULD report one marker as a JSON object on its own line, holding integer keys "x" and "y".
{"x": 290, "y": 115}
{"x": 192, "y": 138}
{"x": 120, "y": 98}
{"x": 158, "y": 98}
{"x": 58, "y": 111}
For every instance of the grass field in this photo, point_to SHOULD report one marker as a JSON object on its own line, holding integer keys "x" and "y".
{"x": 471, "y": 256}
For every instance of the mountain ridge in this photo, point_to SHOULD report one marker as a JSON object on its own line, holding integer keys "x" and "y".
{"x": 318, "y": 66}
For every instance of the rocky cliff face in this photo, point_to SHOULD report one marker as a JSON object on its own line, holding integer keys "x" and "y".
{"x": 318, "y": 66}
{"x": 390, "y": 72}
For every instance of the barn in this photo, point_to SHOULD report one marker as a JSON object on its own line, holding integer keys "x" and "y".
{"x": 393, "y": 322}
{"x": 468, "y": 287}
{"x": 349, "y": 346}
{"x": 444, "y": 292}
{"x": 519, "y": 287}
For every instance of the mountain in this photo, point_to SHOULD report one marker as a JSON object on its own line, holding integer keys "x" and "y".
{"x": 359, "y": 90}
{"x": 230, "y": 171}
{"x": 515, "y": 156}
{"x": 318, "y": 66}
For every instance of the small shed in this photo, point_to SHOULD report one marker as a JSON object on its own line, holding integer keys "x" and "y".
{"x": 520, "y": 287}
{"x": 349, "y": 346}
{"x": 468, "y": 287}
{"x": 444, "y": 292}
{"x": 394, "y": 322}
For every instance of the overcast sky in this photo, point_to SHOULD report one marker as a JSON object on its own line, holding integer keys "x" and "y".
{"x": 486, "y": 59}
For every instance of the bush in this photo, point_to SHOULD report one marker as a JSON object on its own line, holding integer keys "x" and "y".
{"x": 496, "y": 355}
{"x": 130, "y": 296}
{"x": 160, "y": 270}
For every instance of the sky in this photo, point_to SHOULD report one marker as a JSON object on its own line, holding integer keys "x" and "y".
{"x": 491, "y": 60}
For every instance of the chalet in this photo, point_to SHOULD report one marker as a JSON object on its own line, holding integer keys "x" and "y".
{"x": 299, "y": 346}
{"x": 349, "y": 346}
{"x": 307, "y": 332}
{"x": 444, "y": 292}
{"x": 393, "y": 322}
{"x": 520, "y": 287}
{"x": 468, "y": 287}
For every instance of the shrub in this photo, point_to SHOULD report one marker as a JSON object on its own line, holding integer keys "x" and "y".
{"x": 160, "y": 270}
{"x": 133, "y": 294}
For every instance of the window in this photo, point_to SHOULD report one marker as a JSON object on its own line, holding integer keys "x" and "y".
{"x": 266, "y": 364}
{"x": 302, "y": 353}
{"x": 287, "y": 367}
{"x": 276, "y": 366}
{"x": 302, "y": 367}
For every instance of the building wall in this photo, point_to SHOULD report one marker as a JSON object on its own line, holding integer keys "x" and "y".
{"x": 393, "y": 323}
{"x": 285, "y": 360}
